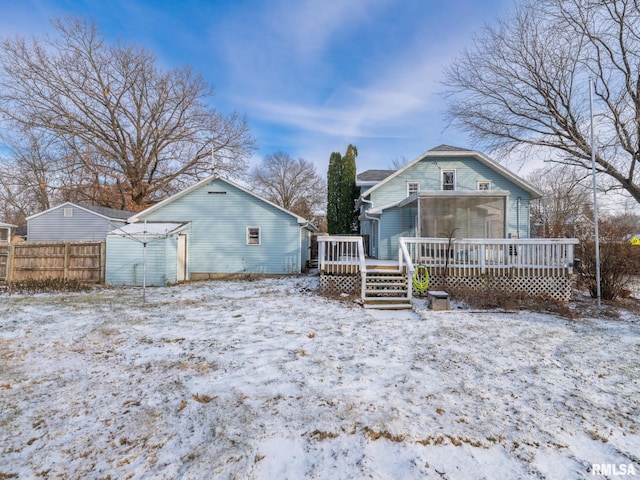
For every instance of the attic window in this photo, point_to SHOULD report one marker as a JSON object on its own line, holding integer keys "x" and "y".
{"x": 253, "y": 236}
{"x": 412, "y": 187}
{"x": 448, "y": 179}
{"x": 482, "y": 185}
{"x": 68, "y": 212}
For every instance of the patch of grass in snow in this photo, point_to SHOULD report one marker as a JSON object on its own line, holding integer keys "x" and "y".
{"x": 374, "y": 435}
{"x": 322, "y": 435}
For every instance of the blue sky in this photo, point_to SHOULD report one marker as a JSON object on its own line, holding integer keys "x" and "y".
{"x": 312, "y": 76}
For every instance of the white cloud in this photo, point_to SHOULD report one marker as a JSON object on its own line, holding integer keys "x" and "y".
{"x": 311, "y": 25}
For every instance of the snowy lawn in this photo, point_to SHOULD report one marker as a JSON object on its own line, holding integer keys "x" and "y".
{"x": 268, "y": 380}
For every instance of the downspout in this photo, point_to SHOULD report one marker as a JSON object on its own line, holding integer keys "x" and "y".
{"x": 373, "y": 219}
{"x": 310, "y": 226}
{"x": 299, "y": 266}
{"x": 518, "y": 218}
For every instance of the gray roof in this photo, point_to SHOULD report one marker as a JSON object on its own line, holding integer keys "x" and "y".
{"x": 374, "y": 175}
{"x": 448, "y": 148}
{"x": 108, "y": 212}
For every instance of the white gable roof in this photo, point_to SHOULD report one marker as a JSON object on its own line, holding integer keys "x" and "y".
{"x": 103, "y": 212}
{"x": 448, "y": 152}
{"x": 140, "y": 215}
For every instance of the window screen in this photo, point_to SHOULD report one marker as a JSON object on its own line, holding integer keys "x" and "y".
{"x": 471, "y": 217}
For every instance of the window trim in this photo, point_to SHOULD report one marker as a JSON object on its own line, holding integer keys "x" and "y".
{"x": 249, "y": 238}
{"x": 412, "y": 182}
{"x": 442, "y": 184}
{"x": 484, "y": 182}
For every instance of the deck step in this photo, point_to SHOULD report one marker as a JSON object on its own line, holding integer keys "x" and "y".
{"x": 386, "y": 289}
{"x": 388, "y": 306}
{"x": 387, "y": 303}
{"x": 388, "y": 292}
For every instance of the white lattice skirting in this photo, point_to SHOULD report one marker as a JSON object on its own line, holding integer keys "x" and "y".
{"x": 336, "y": 284}
{"x": 557, "y": 288}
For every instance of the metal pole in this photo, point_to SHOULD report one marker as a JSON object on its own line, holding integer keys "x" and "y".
{"x": 144, "y": 264}
{"x": 595, "y": 201}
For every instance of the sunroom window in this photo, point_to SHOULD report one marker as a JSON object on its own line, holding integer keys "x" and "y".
{"x": 464, "y": 216}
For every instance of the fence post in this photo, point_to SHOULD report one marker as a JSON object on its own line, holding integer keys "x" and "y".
{"x": 103, "y": 262}
{"x": 10, "y": 254}
{"x": 65, "y": 271}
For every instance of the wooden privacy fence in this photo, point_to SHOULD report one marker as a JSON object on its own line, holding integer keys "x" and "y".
{"x": 78, "y": 261}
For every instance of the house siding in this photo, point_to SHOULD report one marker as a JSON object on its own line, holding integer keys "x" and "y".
{"x": 81, "y": 226}
{"x": 220, "y": 214}
{"x": 396, "y": 222}
{"x": 127, "y": 261}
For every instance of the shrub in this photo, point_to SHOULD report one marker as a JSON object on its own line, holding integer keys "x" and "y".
{"x": 490, "y": 298}
{"x": 619, "y": 260}
{"x": 43, "y": 285}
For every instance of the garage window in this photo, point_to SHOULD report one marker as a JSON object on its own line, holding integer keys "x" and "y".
{"x": 253, "y": 236}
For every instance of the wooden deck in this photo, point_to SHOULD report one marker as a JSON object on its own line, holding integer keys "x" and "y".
{"x": 535, "y": 266}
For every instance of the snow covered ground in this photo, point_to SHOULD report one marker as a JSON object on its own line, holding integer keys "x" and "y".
{"x": 267, "y": 380}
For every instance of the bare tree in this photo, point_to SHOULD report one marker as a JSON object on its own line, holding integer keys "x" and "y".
{"x": 524, "y": 82}
{"x": 292, "y": 184}
{"x": 27, "y": 173}
{"x": 398, "y": 163}
{"x": 131, "y": 133}
{"x": 566, "y": 198}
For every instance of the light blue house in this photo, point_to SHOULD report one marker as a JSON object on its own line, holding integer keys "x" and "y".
{"x": 214, "y": 227}
{"x": 447, "y": 190}
{"x": 147, "y": 253}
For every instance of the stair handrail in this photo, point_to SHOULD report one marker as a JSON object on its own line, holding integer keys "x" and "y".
{"x": 405, "y": 259}
{"x": 363, "y": 268}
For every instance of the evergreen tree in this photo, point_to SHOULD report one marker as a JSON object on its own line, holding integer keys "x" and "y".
{"x": 342, "y": 217}
{"x": 349, "y": 191}
{"x": 334, "y": 193}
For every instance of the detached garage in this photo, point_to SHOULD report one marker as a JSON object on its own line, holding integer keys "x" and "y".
{"x": 147, "y": 253}
{"x": 213, "y": 227}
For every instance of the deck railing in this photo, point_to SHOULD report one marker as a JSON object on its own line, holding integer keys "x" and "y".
{"x": 496, "y": 257}
{"x": 341, "y": 255}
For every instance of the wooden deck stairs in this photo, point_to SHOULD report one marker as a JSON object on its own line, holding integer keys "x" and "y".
{"x": 386, "y": 289}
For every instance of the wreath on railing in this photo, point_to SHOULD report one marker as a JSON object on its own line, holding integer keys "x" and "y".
{"x": 421, "y": 278}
